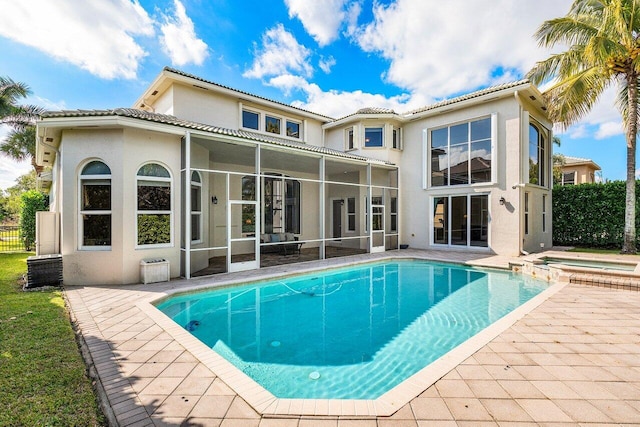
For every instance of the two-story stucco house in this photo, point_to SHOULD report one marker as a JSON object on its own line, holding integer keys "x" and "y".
{"x": 215, "y": 179}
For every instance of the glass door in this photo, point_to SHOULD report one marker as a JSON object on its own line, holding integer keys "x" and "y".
{"x": 377, "y": 224}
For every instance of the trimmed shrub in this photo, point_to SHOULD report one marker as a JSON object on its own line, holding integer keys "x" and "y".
{"x": 590, "y": 215}
{"x": 31, "y": 202}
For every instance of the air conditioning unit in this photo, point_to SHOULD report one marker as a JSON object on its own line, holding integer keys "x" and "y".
{"x": 44, "y": 270}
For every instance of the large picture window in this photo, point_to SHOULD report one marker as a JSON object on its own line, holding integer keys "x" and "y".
{"x": 154, "y": 205}
{"x": 537, "y": 156}
{"x": 461, "y": 154}
{"x": 95, "y": 206}
{"x": 461, "y": 220}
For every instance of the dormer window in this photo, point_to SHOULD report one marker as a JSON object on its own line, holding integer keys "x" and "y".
{"x": 250, "y": 119}
{"x": 373, "y": 137}
{"x": 272, "y": 124}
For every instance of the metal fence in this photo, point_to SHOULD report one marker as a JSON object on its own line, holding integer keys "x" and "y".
{"x": 11, "y": 238}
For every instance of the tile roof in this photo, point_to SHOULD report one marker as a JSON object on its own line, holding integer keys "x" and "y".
{"x": 468, "y": 96}
{"x": 174, "y": 121}
{"x": 194, "y": 77}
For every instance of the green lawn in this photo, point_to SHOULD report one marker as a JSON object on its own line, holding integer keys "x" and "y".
{"x": 42, "y": 375}
{"x": 597, "y": 251}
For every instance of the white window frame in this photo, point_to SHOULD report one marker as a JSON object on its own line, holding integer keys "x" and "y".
{"x": 544, "y": 213}
{"x": 567, "y": 173}
{"x": 364, "y": 145}
{"x": 396, "y": 139}
{"x": 198, "y": 214}
{"x": 527, "y": 202}
{"x": 448, "y": 197}
{"x": 158, "y": 212}
{"x": 81, "y": 212}
{"x": 274, "y": 117}
{"x": 426, "y": 153}
{"x": 351, "y": 215}
{"x": 297, "y": 122}
{"x": 350, "y": 145}
{"x": 543, "y": 151}
{"x": 250, "y": 110}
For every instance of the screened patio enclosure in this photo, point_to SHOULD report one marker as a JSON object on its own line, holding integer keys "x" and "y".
{"x": 248, "y": 204}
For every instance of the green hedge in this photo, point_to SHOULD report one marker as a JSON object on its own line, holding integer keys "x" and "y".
{"x": 590, "y": 215}
{"x": 31, "y": 202}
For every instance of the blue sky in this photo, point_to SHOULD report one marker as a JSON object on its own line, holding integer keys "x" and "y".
{"x": 330, "y": 56}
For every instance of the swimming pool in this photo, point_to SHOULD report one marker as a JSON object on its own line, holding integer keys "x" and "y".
{"x": 349, "y": 333}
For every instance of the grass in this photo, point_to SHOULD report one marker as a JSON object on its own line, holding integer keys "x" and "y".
{"x": 42, "y": 375}
{"x": 10, "y": 241}
{"x": 597, "y": 251}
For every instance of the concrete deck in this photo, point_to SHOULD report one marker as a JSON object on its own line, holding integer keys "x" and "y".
{"x": 572, "y": 360}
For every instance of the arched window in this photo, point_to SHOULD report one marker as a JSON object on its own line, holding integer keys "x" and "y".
{"x": 537, "y": 156}
{"x": 196, "y": 207}
{"x": 95, "y": 206}
{"x": 154, "y": 205}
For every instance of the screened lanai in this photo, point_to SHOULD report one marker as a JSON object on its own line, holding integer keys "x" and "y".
{"x": 249, "y": 204}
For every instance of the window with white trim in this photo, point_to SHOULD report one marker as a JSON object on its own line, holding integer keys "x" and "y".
{"x": 544, "y": 213}
{"x": 393, "y": 214}
{"x": 396, "y": 138}
{"x": 95, "y": 206}
{"x": 349, "y": 141}
{"x": 153, "y": 211}
{"x": 250, "y": 119}
{"x": 461, "y": 220}
{"x": 526, "y": 213}
{"x": 569, "y": 178}
{"x": 373, "y": 137}
{"x": 272, "y": 124}
{"x": 537, "y": 155}
{"x": 461, "y": 154}
{"x": 196, "y": 207}
{"x": 293, "y": 129}
{"x": 351, "y": 214}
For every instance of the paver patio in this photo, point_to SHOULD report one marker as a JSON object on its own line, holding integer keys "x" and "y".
{"x": 573, "y": 360}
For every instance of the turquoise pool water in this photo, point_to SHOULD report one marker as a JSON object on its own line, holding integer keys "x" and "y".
{"x": 349, "y": 333}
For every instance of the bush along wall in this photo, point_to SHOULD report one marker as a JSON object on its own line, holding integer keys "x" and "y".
{"x": 591, "y": 215}
{"x": 31, "y": 202}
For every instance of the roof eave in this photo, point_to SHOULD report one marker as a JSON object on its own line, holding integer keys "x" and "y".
{"x": 162, "y": 82}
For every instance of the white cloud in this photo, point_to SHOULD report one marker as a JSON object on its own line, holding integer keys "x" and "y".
{"x": 335, "y": 103}
{"x": 10, "y": 169}
{"x": 608, "y": 129}
{"x": 179, "y": 40}
{"x": 443, "y": 48}
{"x": 325, "y": 64}
{"x": 321, "y": 19}
{"x": 97, "y": 36}
{"x": 280, "y": 54}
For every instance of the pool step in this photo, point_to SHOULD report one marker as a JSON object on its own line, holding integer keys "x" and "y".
{"x": 606, "y": 281}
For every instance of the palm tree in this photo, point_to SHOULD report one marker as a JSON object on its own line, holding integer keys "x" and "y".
{"x": 20, "y": 143}
{"x": 604, "y": 46}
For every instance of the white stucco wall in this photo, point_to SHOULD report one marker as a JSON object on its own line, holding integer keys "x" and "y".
{"x": 124, "y": 151}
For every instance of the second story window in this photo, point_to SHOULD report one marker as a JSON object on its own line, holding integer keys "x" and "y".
{"x": 373, "y": 137}
{"x": 293, "y": 129}
{"x": 396, "y": 139}
{"x": 349, "y": 143}
{"x": 272, "y": 124}
{"x": 461, "y": 154}
{"x": 250, "y": 119}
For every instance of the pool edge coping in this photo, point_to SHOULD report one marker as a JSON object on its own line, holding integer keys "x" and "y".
{"x": 390, "y": 402}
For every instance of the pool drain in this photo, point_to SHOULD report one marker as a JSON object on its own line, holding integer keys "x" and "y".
{"x": 275, "y": 343}
{"x": 314, "y": 375}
